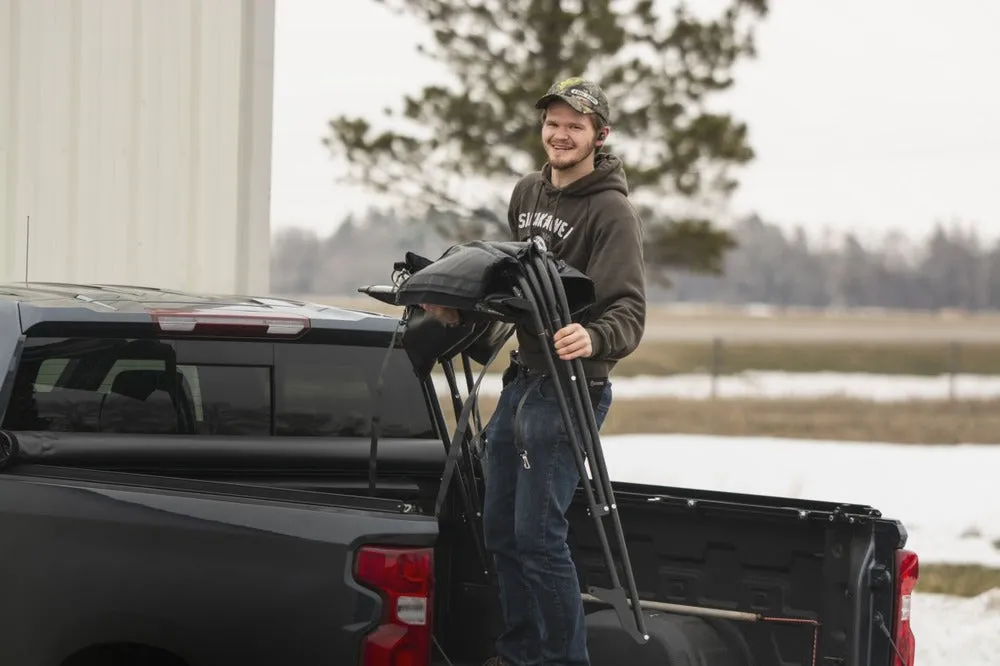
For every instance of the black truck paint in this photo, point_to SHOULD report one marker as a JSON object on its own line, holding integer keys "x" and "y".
{"x": 230, "y": 533}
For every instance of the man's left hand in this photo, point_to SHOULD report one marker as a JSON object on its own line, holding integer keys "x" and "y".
{"x": 573, "y": 341}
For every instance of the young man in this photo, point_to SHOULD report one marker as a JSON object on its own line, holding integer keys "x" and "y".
{"x": 578, "y": 203}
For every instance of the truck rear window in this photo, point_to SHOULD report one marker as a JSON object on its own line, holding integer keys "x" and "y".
{"x": 245, "y": 388}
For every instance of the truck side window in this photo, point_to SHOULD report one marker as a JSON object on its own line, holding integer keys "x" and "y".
{"x": 330, "y": 390}
{"x": 137, "y": 387}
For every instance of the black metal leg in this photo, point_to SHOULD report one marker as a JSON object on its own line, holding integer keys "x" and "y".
{"x": 572, "y": 378}
{"x": 601, "y": 472}
{"x": 427, "y": 386}
{"x": 569, "y": 422}
{"x": 468, "y": 476}
{"x": 475, "y": 460}
{"x": 545, "y": 293}
{"x": 467, "y": 367}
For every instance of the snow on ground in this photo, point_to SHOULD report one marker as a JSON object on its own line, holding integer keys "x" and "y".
{"x": 951, "y": 631}
{"x": 763, "y": 384}
{"x": 944, "y": 495}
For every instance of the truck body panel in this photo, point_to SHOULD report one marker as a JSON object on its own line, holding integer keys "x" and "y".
{"x": 215, "y": 573}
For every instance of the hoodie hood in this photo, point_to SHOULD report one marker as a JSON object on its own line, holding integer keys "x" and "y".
{"x": 608, "y": 174}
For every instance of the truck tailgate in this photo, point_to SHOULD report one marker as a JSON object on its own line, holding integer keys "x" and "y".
{"x": 808, "y": 571}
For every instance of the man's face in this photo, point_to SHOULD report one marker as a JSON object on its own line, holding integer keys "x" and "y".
{"x": 568, "y": 136}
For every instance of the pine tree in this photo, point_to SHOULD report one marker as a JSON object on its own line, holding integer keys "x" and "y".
{"x": 660, "y": 72}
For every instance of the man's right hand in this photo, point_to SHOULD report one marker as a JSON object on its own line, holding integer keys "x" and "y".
{"x": 447, "y": 316}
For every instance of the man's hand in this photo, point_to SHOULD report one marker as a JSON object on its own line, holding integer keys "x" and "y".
{"x": 447, "y": 316}
{"x": 573, "y": 341}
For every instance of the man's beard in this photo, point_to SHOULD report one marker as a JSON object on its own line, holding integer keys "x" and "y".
{"x": 565, "y": 161}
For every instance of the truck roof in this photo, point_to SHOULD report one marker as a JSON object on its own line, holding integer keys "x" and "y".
{"x": 54, "y": 302}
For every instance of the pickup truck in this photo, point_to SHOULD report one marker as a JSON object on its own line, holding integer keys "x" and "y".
{"x": 193, "y": 479}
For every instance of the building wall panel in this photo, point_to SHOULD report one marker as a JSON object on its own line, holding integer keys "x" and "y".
{"x": 136, "y": 135}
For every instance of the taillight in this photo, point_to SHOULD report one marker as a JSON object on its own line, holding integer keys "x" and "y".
{"x": 232, "y": 321}
{"x": 907, "y": 573}
{"x": 404, "y": 578}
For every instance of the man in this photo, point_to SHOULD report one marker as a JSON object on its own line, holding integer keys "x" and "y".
{"x": 578, "y": 204}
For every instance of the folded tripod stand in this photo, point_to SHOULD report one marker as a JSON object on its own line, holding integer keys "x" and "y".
{"x": 522, "y": 283}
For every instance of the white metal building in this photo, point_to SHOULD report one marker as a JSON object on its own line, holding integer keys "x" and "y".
{"x": 136, "y": 136}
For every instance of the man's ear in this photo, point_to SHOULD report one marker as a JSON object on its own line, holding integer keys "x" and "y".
{"x": 603, "y": 136}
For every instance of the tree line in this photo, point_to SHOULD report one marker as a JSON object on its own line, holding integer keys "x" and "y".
{"x": 952, "y": 267}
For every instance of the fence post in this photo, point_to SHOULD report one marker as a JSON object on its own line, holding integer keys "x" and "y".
{"x": 716, "y": 364}
{"x": 954, "y": 361}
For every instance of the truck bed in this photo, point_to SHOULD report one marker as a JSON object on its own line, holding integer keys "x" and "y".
{"x": 780, "y": 581}
{"x": 805, "y": 569}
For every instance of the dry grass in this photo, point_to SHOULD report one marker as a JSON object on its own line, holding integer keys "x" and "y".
{"x": 663, "y": 357}
{"x": 915, "y": 422}
{"x": 733, "y": 354}
{"x": 670, "y": 357}
{"x": 964, "y": 580}
{"x": 882, "y": 343}
{"x": 698, "y": 323}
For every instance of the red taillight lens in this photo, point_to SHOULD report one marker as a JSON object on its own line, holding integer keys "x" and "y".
{"x": 907, "y": 573}
{"x": 404, "y": 577}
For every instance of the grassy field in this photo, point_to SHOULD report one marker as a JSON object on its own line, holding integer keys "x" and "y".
{"x": 702, "y": 323}
{"x": 667, "y": 357}
{"x": 916, "y": 422}
{"x": 964, "y": 580}
{"x": 684, "y": 341}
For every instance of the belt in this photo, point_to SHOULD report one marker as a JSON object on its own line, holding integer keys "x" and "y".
{"x": 518, "y": 368}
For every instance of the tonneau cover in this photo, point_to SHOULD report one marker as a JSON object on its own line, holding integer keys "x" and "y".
{"x": 198, "y": 452}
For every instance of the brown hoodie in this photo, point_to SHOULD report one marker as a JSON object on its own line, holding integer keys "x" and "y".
{"x": 592, "y": 225}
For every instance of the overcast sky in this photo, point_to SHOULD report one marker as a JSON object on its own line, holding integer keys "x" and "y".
{"x": 865, "y": 114}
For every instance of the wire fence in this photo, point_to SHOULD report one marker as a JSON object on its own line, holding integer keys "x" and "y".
{"x": 936, "y": 392}
{"x": 720, "y": 368}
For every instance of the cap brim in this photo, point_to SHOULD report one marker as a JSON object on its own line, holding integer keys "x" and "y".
{"x": 574, "y": 102}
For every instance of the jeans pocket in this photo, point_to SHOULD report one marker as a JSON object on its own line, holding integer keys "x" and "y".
{"x": 547, "y": 389}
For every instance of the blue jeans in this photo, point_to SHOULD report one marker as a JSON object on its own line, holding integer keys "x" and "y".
{"x": 525, "y": 526}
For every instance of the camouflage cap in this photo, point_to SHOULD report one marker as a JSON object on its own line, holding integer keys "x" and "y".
{"x": 583, "y": 95}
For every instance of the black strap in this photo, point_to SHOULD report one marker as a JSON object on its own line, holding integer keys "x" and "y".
{"x": 467, "y": 369}
{"x": 377, "y": 406}
{"x": 462, "y": 428}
